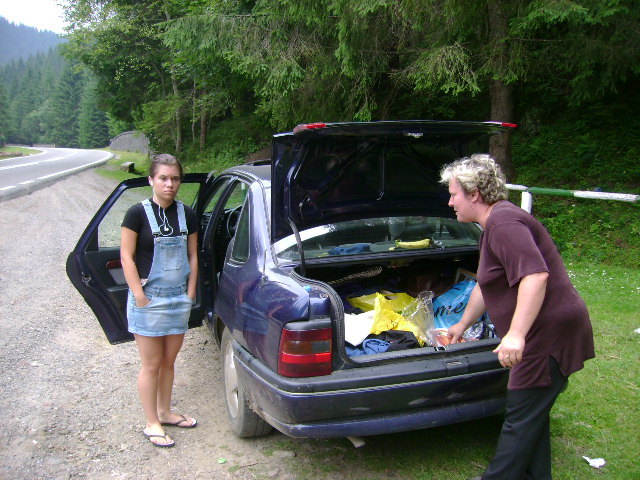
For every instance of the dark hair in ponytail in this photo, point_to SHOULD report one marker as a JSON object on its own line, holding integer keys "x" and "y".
{"x": 164, "y": 159}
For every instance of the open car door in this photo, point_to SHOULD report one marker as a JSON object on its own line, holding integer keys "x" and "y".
{"x": 94, "y": 265}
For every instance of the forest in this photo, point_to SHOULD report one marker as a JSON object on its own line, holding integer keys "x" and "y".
{"x": 177, "y": 68}
{"x": 210, "y": 80}
{"x": 21, "y": 41}
{"x": 45, "y": 98}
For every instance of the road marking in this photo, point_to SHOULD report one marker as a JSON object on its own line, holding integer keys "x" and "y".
{"x": 28, "y": 181}
{"x": 81, "y": 167}
{"x": 7, "y": 188}
{"x": 31, "y": 163}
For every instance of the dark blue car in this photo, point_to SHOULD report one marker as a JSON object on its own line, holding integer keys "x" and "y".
{"x": 341, "y": 213}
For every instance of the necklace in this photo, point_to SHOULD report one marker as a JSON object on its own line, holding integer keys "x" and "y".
{"x": 165, "y": 227}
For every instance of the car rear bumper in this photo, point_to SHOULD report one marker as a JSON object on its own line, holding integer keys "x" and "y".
{"x": 371, "y": 400}
{"x": 393, "y": 423}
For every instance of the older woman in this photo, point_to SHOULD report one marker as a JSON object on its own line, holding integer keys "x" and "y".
{"x": 543, "y": 323}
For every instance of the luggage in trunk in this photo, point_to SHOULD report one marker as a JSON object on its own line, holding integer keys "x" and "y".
{"x": 397, "y": 282}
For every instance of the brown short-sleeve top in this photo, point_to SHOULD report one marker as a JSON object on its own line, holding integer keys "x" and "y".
{"x": 513, "y": 245}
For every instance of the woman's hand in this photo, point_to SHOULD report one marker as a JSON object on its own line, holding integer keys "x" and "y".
{"x": 142, "y": 301}
{"x": 531, "y": 292}
{"x": 510, "y": 350}
{"x": 455, "y": 332}
{"x": 474, "y": 310}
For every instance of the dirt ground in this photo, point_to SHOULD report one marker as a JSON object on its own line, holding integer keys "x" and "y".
{"x": 68, "y": 398}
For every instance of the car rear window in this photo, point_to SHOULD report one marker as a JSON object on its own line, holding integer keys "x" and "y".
{"x": 379, "y": 236}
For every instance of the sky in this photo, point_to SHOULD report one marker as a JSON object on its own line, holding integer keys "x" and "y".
{"x": 41, "y": 14}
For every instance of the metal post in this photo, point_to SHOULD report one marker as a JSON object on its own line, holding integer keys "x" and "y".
{"x": 527, "y": 195}
{"x": 526, "y": 202}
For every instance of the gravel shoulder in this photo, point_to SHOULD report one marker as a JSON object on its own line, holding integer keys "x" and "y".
{"x": 69, "y": 398}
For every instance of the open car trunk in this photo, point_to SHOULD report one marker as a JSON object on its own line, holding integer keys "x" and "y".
{"x": 425, "y": 295}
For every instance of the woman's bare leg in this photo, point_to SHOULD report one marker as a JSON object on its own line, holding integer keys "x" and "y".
{"x": 151, "y": 354}
{"x": 171, "y": 347}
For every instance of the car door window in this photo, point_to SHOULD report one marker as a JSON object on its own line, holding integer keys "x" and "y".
{"x": 109, "y": 230}
{"x": 233, "y": 208}
{"x": 240, "y": 251}
{"x": 225, "y": 210}
{"x": 110, "y": 226}
{"x": 238, "y": 194}
{"x": 219, "y": 188}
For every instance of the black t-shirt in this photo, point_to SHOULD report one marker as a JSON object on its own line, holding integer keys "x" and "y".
{"x": 136, "y": 219}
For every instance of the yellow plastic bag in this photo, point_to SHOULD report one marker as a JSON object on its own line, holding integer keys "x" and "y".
{"x": 387, "y": 318}
{"x": 396, "y": 302}
{"x": 364, "y": 303}
{"x": 384, "y": 318}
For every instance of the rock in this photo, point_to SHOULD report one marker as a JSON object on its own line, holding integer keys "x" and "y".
{"x": 128, "y": 167}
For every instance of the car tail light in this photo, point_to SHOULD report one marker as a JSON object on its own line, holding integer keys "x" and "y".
{"x": 503, "y": 124}
{"x": 305, "y": 353}
{"x": 308, "y": 126}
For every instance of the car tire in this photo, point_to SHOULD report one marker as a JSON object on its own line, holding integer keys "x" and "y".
{"x": 244, "y": 421}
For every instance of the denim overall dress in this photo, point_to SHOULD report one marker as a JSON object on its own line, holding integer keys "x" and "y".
{"x": 168, "y": 311}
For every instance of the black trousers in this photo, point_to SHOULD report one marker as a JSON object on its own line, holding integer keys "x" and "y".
{"x": 524, "y": 445}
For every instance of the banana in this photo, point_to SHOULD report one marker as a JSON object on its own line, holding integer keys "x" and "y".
{"x": 416, "y": 244}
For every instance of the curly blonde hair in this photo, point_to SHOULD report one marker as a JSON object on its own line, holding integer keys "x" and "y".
{"x": 480, "y": 173}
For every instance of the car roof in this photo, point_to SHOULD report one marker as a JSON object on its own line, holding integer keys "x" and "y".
{"x": 254, "y": 172}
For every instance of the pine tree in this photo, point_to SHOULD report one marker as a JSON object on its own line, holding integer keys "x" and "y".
{"x": 29, "y": 86}
{"x": 64, "y": 109}
{"x": 93, "y": 130}
{"x": 4, "y": 119}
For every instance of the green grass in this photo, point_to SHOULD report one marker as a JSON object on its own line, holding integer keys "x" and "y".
{"x": 595, "y": 230}
{"x": 590, "y": 148}
{"x": 112, "y": 168}
{"x": 8, "y": 151}
{"x": 598, "y": 415}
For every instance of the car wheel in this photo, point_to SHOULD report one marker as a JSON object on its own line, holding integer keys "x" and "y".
{"x": 244, "y": 421}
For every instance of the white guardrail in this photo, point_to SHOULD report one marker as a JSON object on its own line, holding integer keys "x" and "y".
{"x": 526, "y": 201}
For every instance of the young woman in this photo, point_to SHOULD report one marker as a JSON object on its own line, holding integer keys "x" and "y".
{"x": 543, "y": 323}
{"x": 159, "y": 259}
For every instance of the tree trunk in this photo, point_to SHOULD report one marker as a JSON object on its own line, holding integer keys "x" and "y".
{"x": 194, "y": 94}
{"x": 501, "y": 94}
{"x": 502, "y": 111}
{"x": 176, "y": 93}
{"x": 178, "y": 138}
{"x": 203, "y": 128}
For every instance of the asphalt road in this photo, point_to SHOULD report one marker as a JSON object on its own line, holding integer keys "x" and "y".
{"x": 21, "y": 175}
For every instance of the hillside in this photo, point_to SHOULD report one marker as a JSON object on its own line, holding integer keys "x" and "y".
{"x": 20, "y": 41}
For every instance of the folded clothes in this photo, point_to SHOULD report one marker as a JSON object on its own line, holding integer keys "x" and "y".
{"x": 350, "y": 249}
{"x": 397, "y": 339}
{"x": 368, "y": 347}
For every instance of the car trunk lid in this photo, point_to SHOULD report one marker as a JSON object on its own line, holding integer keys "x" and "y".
{"x": 348, "y": 171}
